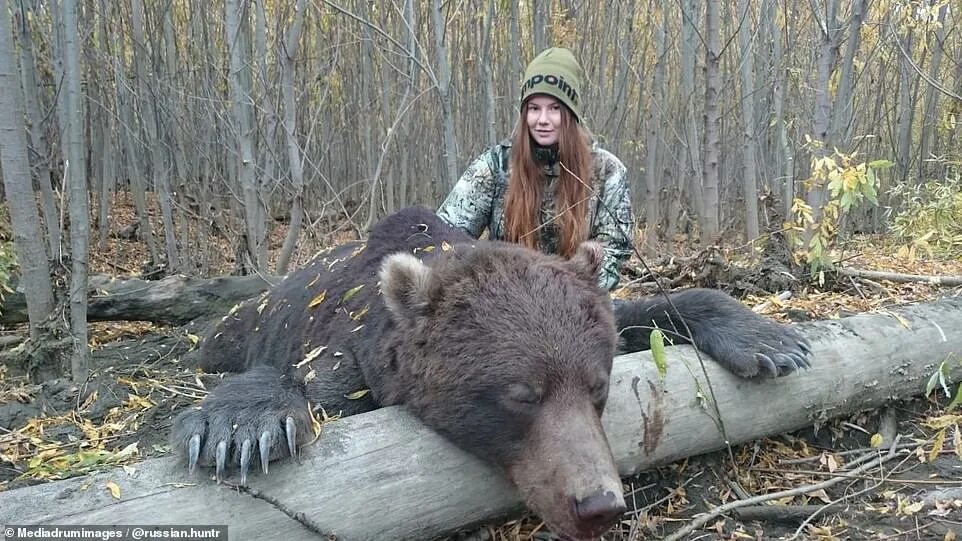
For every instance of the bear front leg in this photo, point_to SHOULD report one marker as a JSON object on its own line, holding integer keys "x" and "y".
{"x": 261, "y": 413}
{"x": 742, "y": 341}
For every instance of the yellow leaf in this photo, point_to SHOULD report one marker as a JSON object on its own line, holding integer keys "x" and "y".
{"x": 114, "y": 489}
{"x": 937, "y": 445}
{"x": 311, "y": 355}
{"x": 445, "y": 246}
{"x": 957, "y": 441}
{"x": 262, "y": 305}
{"x": 356, "y": 395}
{"x": 318, "y": 299}
{"x": 310, "y": 376}
{"x": 358, "y": 314}
{"x": 876, "y": 440}
{"x": 832, "y": 463}
{"x": 194, "y": 339}
{"x": 909, "y": 509}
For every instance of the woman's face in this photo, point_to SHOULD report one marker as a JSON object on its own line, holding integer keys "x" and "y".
{"x": 544, "y": 119}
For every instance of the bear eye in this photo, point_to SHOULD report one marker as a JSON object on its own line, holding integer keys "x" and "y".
{"x": 599, "y": 391}
{"x": 523, "y": 393}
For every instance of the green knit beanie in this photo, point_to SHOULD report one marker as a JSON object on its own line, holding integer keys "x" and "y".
{"x": 555, "y": 72}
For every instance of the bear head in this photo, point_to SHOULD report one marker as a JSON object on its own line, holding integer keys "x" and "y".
{"x": 507, "y": 353}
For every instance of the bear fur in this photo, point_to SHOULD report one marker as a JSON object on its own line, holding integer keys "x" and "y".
{"x": 504, "y": 351}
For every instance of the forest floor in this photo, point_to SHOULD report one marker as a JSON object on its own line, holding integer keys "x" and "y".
{"x": 122, "y": 414}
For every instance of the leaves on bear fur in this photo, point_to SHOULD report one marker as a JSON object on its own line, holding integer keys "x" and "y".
{"x": 357, "y": 395}
{"x": 311, "y": 355}
{"x": 356, "y": 315}
{"x": 350, "y": 293}
{"x": 318, "y": 299}
{"x": 310, "y": 376}
{"x": 445, "y": 247}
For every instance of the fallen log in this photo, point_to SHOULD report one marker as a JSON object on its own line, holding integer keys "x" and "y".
{"x": 382, "y": 475}
{"x": 174, "y": 300}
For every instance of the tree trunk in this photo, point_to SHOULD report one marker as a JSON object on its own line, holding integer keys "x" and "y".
{"x": 750, "y": 144}
{"x": 236, "y": 23}
{"x": 514, "y": 52}
{"x": 38, "y": 140}
{"x": 712, "y": 155}
{"x": 149, "y": 117}
{"x": 287, "y": 56}
{"x": 843, "y": 110}
{"x": 449, "y": 145}
{"x": 784, "y": 150}
{"x": 652, "y": 147}
{"x": 906, "y": 107}
{"x": 18, "y": 187}
{"x": 540, "y": 21}
{"x": 487, "y": 56}
{"x": 79, "y": 205}
{"x": 929, "y": 119}
{"x": 861, "y": 363}
{"x": 825, "y": 62}
{"x": 692, "y": 177}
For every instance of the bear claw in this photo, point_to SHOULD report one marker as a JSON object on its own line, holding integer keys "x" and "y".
{"x": 291, "y": 430}
{"x": 193, "y": 452}
{"x": 221, "y": 459}
{"x": 245, "y": 460}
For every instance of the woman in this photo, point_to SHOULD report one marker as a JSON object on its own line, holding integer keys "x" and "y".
{"x": 549, "y": 187}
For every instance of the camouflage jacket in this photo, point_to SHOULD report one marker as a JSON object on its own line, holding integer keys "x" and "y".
{"x": 476, "y": 203}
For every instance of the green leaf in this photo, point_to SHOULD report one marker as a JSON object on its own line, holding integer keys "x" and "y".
{"x": 938, "y": 379}
{"x": 955, "y": 401}
{"x": 657, "y": 341}
{"x": 880, "y": 164}
{"x": 351, "y": 292}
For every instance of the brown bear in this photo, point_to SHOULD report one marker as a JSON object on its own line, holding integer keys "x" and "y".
{"x": 504, "y": 351}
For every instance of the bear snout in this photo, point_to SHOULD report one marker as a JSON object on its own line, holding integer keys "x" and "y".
{"x": 599, "y": 511}
{"x": 566, "y": 473}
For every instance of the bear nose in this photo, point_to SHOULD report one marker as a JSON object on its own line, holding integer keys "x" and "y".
{"x": 599, "y": 510}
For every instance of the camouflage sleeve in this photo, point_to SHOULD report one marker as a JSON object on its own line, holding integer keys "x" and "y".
{"x": 468, "y": 205}
{"x": 614, "y": 225}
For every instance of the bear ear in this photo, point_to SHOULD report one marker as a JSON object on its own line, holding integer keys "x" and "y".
{"x": 587, "y": 260}
{"x": 404, "y": 282}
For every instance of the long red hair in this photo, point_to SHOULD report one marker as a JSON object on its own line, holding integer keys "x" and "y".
{"x": 522, "y": 206}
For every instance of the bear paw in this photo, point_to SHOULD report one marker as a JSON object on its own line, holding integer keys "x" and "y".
{"x": 763, "y": 348}
{"x": 248, "y": 416}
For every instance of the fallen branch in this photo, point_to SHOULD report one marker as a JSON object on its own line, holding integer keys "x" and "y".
{"x": 175, "y": 300}
{"x": 950, "y": 281}
{"x": 383, "y": 475}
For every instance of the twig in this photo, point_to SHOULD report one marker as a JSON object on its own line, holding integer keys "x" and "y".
{"x": 860, "y": 451}
{"x": 950, "y": 281}
{"x": 705, "y": 518}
